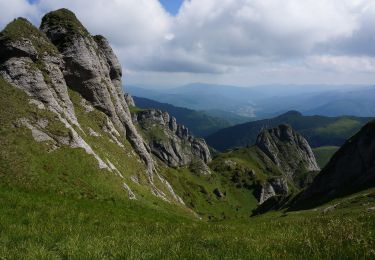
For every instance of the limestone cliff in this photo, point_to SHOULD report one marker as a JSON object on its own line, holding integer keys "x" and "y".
{"x": 292, "y": 156}
{"x": 169, "y": 141}
{"x": 92, "y": 69}
{"x": 288, "y": 150}
{"x": 53, "y": 64}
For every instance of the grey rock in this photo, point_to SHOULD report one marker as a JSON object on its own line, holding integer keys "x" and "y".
{"x": 131, "y": 194}
{"x": 288, "y": 150}
{"x": 169, "y": 141}
{"x": 92, "y": 69}
{"x": 129, "y": 100}
{"x": 43, "y": 67}
{"x": 280, "y": 185}
{"x": 330, "y": 208}
{"x": 277, "y": 186}
{"x": 267, "y": 192}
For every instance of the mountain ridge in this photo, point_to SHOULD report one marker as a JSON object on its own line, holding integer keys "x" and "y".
{"x": 319, "y": 130}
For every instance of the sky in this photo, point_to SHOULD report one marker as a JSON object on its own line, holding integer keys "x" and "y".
{"x": 237, "y": 42}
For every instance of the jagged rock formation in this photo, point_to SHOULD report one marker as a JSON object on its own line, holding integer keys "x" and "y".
{"x": 169, "y": 141}
{"x": 352, "y": 168}
{"x": 277, "y": 186}
{"x": 129, "y": 100}
{"x": 92, "y": 69}
{"x": 292, "y": 156}
{"x": 288, "y": 150}
{"x": 46, "y": 63}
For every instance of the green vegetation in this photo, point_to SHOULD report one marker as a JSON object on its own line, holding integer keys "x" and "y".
{"x": 318, "y": 130}
{"x": 63, "y": 18}
{"x": 136, "y": 109}
{"x": 39, "y": 226}
{"x": 340, "y": 127}
{"x": 21, "y": 29}
{"x": 198, "y": 122}
{"x": 324, "y": 154}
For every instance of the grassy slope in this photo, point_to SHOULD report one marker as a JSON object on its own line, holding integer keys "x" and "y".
{"x": 36, "y": 226}
{"x": 31, "y": 167}
{"x": 324, "y": 154}
{"x": 59, "y": 205}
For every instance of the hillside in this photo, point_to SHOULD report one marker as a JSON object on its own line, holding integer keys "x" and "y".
{"x": 199, "y": 123}
{"x": 324, "y": 153}
{"x": 351, "y": 169}
{"x": 318, "y": 130}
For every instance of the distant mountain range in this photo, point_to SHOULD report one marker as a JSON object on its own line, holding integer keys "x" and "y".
{"x": 268, "y": 100}
{"x": 318, "y": 130}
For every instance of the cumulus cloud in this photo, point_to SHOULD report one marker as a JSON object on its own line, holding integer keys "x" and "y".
{"x": 226, "y": 37}
{"x": 16, "y": 8}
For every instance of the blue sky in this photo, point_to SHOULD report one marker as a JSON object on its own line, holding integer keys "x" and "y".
{"x": 172, "y": 6}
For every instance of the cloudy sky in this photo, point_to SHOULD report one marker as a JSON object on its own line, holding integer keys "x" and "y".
{"x": 238, "y": 42}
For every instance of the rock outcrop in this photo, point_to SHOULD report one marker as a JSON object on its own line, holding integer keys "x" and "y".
{"x": 277, "y": 186}
{"x": 62, "y": 56}
{"x": 352, "y": 168}
{"x": 169, "y": 141}
{"x": 92, "y": 69}
{"x": 292, "y": 156}
{"x": 288, "y": 150}
{"x": 33, "y": 64}
{"x": 129, "y": 100}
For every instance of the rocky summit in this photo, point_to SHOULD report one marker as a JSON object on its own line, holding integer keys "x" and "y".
{"x": 288, "y": 150}
{"x": 61, "y": 57}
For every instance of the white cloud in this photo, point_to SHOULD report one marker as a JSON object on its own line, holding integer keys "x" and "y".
{"x": 15, "y": 8}
{"x": 226, "y": 37}
{"x": 345, "y": 64}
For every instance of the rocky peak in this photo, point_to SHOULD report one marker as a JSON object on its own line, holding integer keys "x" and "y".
{"x": 288, "y": 150}
{"x": 169, "y": 141}
{"x": 62, "y": 26}
{"x": 46, "y": 63}
{"x": 93, "y": 70}
{"x": 33, "y": 64}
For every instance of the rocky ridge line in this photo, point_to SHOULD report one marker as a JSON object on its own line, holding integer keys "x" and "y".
{"x": 46, "y": 65}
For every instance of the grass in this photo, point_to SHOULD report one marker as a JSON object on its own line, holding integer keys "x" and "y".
{"x": 63, "y": 18}
{"x": 20, "y": 29}
{"x": 136, "y": 109}
{"x": 40, "y": 226}
{"x": 343, "y": 126}
{"x": 324, "y": 154}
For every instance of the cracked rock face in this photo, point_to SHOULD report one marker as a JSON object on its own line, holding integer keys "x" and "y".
{"x": 288, "y": 150}
{"x": 92, "y": 69}
{"x": 277, "y": 186}
{"x": 171, "y": 142}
